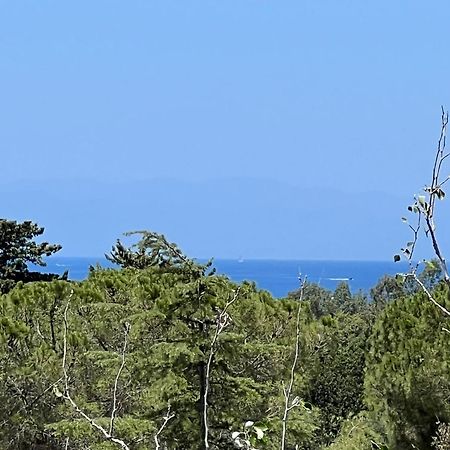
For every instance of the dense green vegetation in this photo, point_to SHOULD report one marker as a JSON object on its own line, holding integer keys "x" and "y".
{"x": 18, "y": 249}
{"x": 162, "y": 352}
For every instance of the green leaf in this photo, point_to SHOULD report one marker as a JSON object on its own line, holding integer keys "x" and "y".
{"x": 259, "y": 432}
{"x": 421, "y": 200}
{"x": 57, "y": 392}
{"x": 400, "y": 277}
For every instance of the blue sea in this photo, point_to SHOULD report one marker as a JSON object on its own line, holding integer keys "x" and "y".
{"x": 276, "y": 276}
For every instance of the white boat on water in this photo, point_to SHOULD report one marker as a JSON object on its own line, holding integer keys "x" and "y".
{"x": 339, "y": 279}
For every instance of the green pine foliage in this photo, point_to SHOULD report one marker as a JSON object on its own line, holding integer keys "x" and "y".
{"x": 337, "y": 375}
{"x": 408, "y": 374}
{"x": 171, "y": 315}
{"x": 18, "y": 249}
{"x": 368, "y": 374}
{"x": 358, "y": 433}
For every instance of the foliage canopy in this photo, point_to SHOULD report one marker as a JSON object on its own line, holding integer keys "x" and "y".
{"x": 18, "y": 249}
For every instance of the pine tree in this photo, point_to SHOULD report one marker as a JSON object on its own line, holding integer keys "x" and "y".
{"x": 407, "y": 378}
{"x": 18, "y": 249}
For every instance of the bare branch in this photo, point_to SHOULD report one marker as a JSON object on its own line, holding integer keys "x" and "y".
{"x": 428, "y": 293}
{"x": 222, "y": 321}
{"x": 288, "y": 404}
{"x": 425, "y": 205}
{"x": 66, "y": 395}
{"x": 116, "y": 382}
{"x": 167, "y": 417}
{"x": 435, "y": 191}
{"x": 409, "y": 250}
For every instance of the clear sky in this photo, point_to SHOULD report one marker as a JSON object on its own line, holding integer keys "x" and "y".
{"x": 278, "y": 129}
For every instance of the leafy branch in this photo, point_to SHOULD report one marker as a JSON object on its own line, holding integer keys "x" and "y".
{"x": 424, "y": 207}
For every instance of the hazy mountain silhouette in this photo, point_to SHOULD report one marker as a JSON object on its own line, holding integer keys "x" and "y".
{"x": 222, "y": 218}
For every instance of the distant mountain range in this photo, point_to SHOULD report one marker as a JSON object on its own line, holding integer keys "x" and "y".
{"x": 226, "y": 218}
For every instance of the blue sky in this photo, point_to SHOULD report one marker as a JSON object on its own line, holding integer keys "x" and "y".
{"x": 294, "y": 129}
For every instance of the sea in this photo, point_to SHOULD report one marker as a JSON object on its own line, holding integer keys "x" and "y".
{"x": 279, "y": 277}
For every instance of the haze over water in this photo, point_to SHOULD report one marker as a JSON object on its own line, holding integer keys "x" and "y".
{"x": 290, "y": 129}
